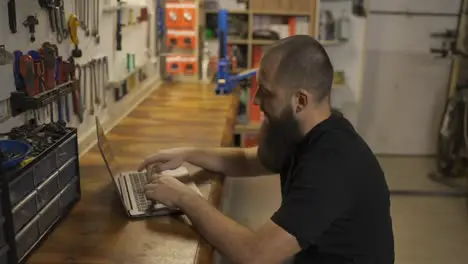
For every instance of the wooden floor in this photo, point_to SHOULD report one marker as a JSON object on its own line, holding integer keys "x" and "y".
{"x": 97, "y": 230}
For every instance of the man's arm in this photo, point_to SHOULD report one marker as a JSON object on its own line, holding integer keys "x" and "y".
{"x": 234, "y": 162}
{"x": 271, "y": 244}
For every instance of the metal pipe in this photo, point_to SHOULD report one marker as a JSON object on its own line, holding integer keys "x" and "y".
{"x": 409, "y": 13}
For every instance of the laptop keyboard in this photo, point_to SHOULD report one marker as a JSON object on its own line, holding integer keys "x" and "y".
{"x": 139, "y": 181}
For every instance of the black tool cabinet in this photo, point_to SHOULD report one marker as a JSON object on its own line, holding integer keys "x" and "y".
{"x": 35, "y": 197}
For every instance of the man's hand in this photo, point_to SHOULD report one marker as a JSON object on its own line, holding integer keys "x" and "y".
{"x": 167, "y": 159}
{"x": 168, "y": 190}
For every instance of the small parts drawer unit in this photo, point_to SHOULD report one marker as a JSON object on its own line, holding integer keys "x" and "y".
{"x": 36, "y": 196}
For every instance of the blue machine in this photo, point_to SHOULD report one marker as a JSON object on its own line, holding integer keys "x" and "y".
{"x": 226, "y": 82}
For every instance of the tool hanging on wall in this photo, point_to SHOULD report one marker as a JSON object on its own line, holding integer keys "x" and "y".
{"x": 95, "y": 69}
{"x": 12, "y": 15}
{"x": 50, "y": 6}
{"x": 76, "y": 96}
{"x": 87, "y": 15}
{"x": 62, "y": 18}
{"x": 57, "y": 21}
{"x": 105, "y": 79}
{"x": 96, "y": 13}
{"x": 38, "y": 74}
{"x": 6, "y": 57}
{"x": 63, "y": 77}
{"x": 118, "y": 36}
{"x": 26, "y": 67}
{"x": 50, "y": 68}
{"x": 91, "y": 90}
{"x": 359, "y": 8}
{"x": 31, "y": 22}
{"x": 84, "y": 84}
{"x": 73, "y": 25}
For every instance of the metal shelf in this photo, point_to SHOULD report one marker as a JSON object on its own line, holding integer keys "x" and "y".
{"x": 280, "y": 13}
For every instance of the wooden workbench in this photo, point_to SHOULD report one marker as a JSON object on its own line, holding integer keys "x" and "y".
{"x": 97, "y": 230}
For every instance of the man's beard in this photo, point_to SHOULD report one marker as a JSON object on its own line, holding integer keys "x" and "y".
{"x": 277, "y": 140}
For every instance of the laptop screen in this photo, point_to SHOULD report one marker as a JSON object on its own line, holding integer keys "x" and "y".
{"x": 106, "y": 151}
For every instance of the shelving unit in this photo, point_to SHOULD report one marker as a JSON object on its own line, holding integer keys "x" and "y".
{"x": 182, "y": 52}
{"x": 246, "y": 127}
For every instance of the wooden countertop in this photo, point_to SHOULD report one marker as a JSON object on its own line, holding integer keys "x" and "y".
{"x": 97, "y": 230}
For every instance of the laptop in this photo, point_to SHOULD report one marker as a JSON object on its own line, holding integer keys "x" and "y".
{"x": 129, "y": 185}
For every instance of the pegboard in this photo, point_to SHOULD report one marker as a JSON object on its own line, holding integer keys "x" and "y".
{"x": 134, "y": 40}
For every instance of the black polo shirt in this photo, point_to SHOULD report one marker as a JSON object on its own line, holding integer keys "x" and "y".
{"x": 335, "y": 199}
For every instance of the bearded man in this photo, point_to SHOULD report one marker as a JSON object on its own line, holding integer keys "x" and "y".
{"x": 335, "y": 200}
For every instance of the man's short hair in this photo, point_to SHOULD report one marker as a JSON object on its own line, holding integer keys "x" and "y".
{"x": 299, "y": 62}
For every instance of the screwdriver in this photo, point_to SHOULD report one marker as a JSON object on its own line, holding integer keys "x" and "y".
{"x": 27, "y": 72}
{"x": 73, "y": 25}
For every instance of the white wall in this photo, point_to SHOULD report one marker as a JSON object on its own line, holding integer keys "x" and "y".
{"x": 347, "y": 57}
{"x": 134, "y": 41}
{"x": 405, "y": 85}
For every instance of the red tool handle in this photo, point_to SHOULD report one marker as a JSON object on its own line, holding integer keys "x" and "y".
{"x": 27, "y": 72}
{"x": 48, "y": 55}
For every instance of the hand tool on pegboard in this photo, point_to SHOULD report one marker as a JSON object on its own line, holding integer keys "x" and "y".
{"x": 50, "y": 67}
{"x": 84, "y": 84}
{"x": 19, "y": 82}
{"x": 95, "y": 72}
{"x": 16, "y": 70}
{"x": 91, "y": 87}
{"x": 96, "y": 13}
{"x": 98, "y": 86}
{"x": 105, "y": 79}
{"x": 12, "y": 16}
{"x": 63, "y": 18}
{"x": 62, "y": 77}
{"x": 6, "y": 57}
{"x": 31, "y": 22}
{"x": 38, "y": 74}
{"x": 76, "y": 96}
{"x": 86, "y": 12}
{"x": 57, "y": 21}
{"x": 73, "y": 25}
{"x": 50, "y": 6}
{"x": 79, "y": 78}
{"x": 26, "y": 67}
{"x": 118, "y": 36}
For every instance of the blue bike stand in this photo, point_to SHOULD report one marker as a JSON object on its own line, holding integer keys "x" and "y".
{"x": 226, "y": 83}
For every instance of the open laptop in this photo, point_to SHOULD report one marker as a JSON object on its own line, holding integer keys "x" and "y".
{"x": 130, "y": 184}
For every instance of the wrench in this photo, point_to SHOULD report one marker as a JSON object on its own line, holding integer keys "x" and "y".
{"x": 63, "y": 20}
{"x": 84, "y": 83}
{"x": 58, "y": 24}
{"x": 87, "y": 17}
{"x": 91, "y": 109}
{"x": 95, "y": 32}
{"x": 95, "y": 73}
{"x": 80, "y": 82}
{"x": 81, "y": 16}
{"x": 105, "y": 79}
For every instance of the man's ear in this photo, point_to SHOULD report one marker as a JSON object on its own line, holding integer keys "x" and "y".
{"x": 301, "y": 100}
